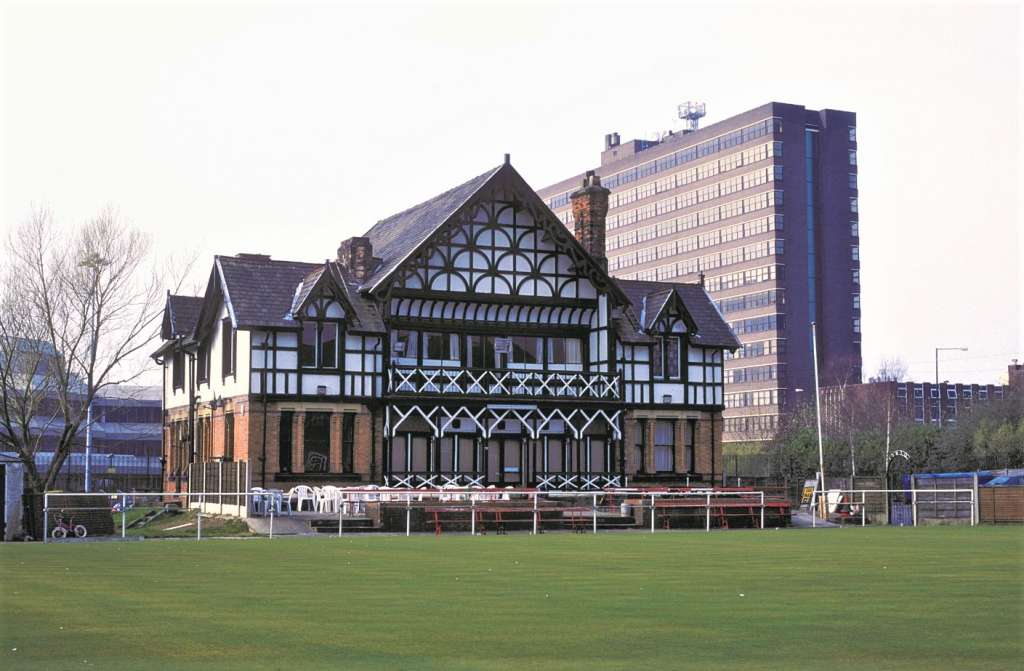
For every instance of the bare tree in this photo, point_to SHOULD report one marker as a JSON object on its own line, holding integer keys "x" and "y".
{"x": 78, "y": 310}
{"x": 891, "y": 370}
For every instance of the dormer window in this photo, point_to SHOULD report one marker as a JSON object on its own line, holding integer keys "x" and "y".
{"x": 319, "y": 346}
{"x": 666, "y": 353}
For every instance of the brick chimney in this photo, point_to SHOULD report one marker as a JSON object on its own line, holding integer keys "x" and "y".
{"x": 356, "y": 256}
{"x": 589, "y": 211}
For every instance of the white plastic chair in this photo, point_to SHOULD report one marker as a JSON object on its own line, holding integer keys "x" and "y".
{"x": 302, "y": 493}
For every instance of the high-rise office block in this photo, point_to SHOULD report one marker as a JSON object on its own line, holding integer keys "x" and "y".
{"x": 763, "y": 206}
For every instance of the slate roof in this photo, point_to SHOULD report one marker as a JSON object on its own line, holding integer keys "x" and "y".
{"x": 397, "y": 236}
{"x": 260, "y": 290}
{"x": 712, "y": 329}
{"x": 183, "y": 313}
{"x": 263, "y": 292}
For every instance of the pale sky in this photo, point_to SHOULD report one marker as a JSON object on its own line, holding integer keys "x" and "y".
{"x": 284, "y": 128}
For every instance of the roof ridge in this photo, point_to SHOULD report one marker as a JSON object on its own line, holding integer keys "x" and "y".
{"x": 433, "y": 198}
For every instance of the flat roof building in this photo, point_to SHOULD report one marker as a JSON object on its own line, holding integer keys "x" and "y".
{"x": 762, "y": 207}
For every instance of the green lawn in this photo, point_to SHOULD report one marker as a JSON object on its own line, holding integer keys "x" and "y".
{"x": 827, "y": 599}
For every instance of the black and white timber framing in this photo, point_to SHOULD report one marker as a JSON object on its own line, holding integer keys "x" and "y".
{"x": 486, "y": 342}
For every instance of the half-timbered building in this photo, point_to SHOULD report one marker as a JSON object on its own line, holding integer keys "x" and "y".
{"x": 469, "y": 340}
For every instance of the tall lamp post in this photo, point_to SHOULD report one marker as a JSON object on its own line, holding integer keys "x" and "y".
{"x": 937, "y": 350}
{"x": 94, "y": 262}
{"x": 817, "y": 405}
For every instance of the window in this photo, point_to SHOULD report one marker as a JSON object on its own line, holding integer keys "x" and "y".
{"x": 316, "y": 442}
{"x": 307, "y": 349}
{"x": 856, "y": 301}
{"x": 526, "y": 350}
{"x": 856, "y": 277}
{"x": 641, "y": 440}
{"x": 227, "y": 348}
{"x": 329, "y": 345}
{"x": 564, "y": 351}
{"x": 901, "y": 391}
{"x": 203, "y": 362}
{"x": 439, "y": 347}
{"x": 853, "y": 205}
{"x": 982, "y": 394}
{"x": 405, "y": 346}
{"x": 664, "y": 446}
{"x": 918, "y": 391}
{"x": 178, "y": 369}
{"x": 853, "y": 133}
{"x": 481, "y": 351}
{"x": 855, "y": 253}
{"x": 229, "y": 436}
{"x": 854, "y": 229}
{"x": 852, "y": 177}
{"x": 657, "y": 359}
{"x": 348, "y": 441}
{"x": 951, "y": 393}
{"x": 934, "y": 392}
{"x": 689, "y": 433}
{"x": 967, "y": 394}
{"x": 856, "y": 325}
{"x": 319, "y": 346}
{"x": 853, "y": 157}
{"x": 284, "y": 442}
{"x": 672, "y": 348}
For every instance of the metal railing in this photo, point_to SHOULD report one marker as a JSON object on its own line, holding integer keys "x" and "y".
{"x": 471, "y": 509}
{"x": 854, "y": 504}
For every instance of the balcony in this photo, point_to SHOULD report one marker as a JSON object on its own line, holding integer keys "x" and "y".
{"x": 489, "y": 383}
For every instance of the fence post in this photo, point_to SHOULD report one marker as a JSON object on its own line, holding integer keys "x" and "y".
{"x": 220, "y": 485}
{"x": 408, "y": 513}
{"x": 814, "y": 512}
{"x": 707, "y": 513}
{"x": 341, "y": 515}
{"x": 472, "y": 514}
{"x": 762, "y": 510}
{"x": 913, "y": 499}
{"x": 652, "y": 513}
{"x": 593, "y": 512}
{"x": 199, "y": 518}
{"x": 46, "y": 516}
{"x": 975, "y": 518}
{"x": 124, "y": 516}
{"x": 863, "y": 506}
{"x": 535, "y": 513}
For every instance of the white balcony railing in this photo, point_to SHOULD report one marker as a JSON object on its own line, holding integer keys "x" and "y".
{"x": 486, "y": 382}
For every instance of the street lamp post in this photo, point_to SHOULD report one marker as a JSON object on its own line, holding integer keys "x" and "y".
{"x": 817, "y": 405}
{"x": 94, "y": 262}
{"x": 937, "y": 391}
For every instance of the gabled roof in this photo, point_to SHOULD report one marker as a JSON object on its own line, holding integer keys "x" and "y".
{"x": 711, "y": 328}
{"x": 397, "y": 236}
{"x": 180, "y": 316}
{"x": 259, "y": 290}
{"x": 262, "y": 293}
{"x": 361, "y": 311}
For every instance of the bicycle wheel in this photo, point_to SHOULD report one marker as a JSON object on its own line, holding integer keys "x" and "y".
{"x": 80, "y": 531}
{"x": 60, "y": 533}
